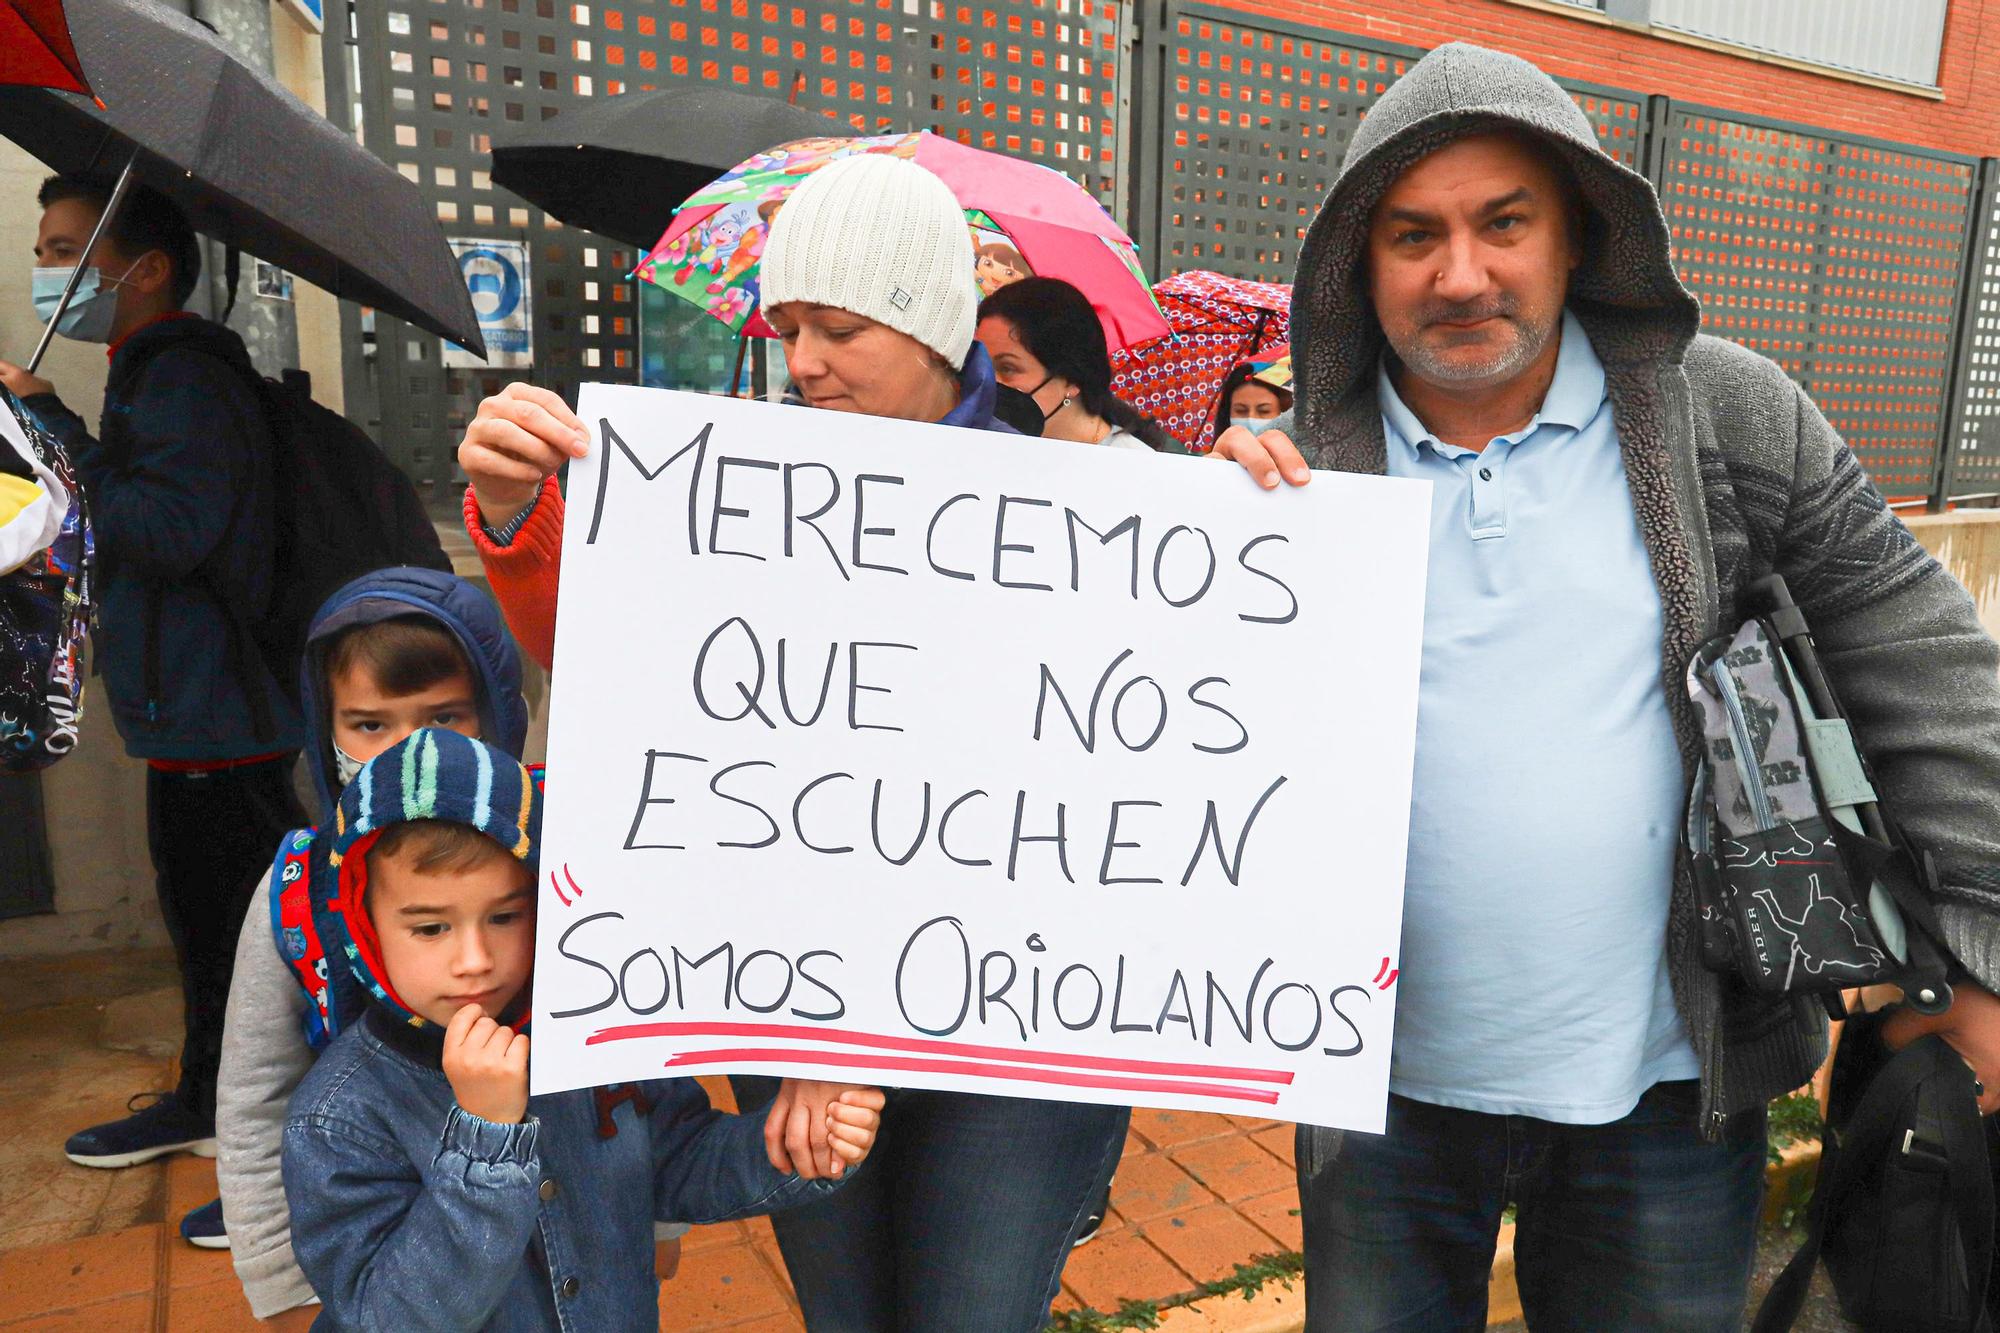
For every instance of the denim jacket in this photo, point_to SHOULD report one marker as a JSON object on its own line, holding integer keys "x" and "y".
{"x": 410, "y": 1213}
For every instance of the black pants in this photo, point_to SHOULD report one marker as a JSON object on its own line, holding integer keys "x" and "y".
{"x": 212, "y": 836}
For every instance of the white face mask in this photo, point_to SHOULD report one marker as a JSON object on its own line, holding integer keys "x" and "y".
{"x": 1258, "y": 425}
{"x": 346, "y": 766}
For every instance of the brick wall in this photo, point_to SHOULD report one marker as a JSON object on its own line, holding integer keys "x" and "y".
{"x": 1967, "y": 120}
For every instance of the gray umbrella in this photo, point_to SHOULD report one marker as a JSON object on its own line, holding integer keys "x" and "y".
{"x": 621, "y": 166}
{"x": 253, "y": 166}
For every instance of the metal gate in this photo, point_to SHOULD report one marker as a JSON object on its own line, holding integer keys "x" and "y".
{"x": 1970, "y": 466}
{"x": 1848, "y": 261}
{"x": 1251, "y": 117}
{"x": 426, "y": 82}
{"x": 1837, "y": 257}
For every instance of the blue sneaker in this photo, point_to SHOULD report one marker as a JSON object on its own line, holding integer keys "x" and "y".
{"x": 203, "y": 1227}
{"x": 160, "y": 1127}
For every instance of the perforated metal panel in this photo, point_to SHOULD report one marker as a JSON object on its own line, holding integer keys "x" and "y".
{"x": 1973, "y": 462}
{"x": 428, "y": 81}
{"x": 1881, "y": 367}
{"x": 1837, "y": 258}
{"x": 435, "y": 80}
{"x": 1744, "y": 207}
{"x": 1035, "y": 78}
{"x": 1253, "y": 117}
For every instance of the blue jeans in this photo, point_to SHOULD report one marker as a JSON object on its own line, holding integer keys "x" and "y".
{"x": 1638, "y": 1224}
{"x": 963, "y": 1219}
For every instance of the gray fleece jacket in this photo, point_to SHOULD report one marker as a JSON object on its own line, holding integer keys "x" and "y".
{"x": 1734, "y": 475}
{"x": 264, "y": 1056}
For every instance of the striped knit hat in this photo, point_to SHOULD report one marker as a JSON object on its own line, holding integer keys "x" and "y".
{"x": 430, "y": 774}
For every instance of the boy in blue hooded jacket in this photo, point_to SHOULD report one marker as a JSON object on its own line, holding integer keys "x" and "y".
{"x": 391, "y": 651}
{"x": 413, "y": 1150}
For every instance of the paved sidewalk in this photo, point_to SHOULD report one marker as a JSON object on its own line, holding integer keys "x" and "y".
{"x": 96, "y": 1251}
{"x": 86, "y": 1251}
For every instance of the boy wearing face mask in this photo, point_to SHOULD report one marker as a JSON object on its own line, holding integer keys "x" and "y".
{"x": 181, "y": 495}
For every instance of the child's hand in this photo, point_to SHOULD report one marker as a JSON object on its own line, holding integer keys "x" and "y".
{"x": 487, "y": 1065}
{"x": 798, "y": 1128}
{"x": 851, "y": 1125}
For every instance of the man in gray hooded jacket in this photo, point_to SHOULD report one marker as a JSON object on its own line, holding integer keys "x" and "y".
{"x": 1486, "y": 300}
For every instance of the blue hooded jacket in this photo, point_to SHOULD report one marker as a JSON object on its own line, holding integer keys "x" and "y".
{"x": 462, "y": 608}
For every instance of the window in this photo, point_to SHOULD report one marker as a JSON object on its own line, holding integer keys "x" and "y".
{"x": 1898, "y": 41}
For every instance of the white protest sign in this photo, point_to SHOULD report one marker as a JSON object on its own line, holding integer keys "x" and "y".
{"x": 911, "y": 755}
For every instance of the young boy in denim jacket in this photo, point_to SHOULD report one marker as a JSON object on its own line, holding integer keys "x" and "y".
{"x": 427, "y": 1189}
{"x": 392, "y": 651}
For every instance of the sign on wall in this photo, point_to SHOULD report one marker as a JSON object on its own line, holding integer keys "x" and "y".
{"x": 310, "y": 13}
{"x": 896, "y": 753}
{"x": 496, "y": 273}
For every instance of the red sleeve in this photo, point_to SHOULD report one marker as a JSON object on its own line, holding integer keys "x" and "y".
{"x": 525, "y": 572}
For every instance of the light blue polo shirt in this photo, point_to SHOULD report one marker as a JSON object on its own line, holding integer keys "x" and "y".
{"x": 1548, "y": 785}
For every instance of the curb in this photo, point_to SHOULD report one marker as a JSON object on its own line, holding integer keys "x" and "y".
{"x": 1788, "y": 1183}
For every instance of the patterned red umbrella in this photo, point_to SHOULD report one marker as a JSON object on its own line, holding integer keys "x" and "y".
{"x": 35, "y": 49}
{"x": 1217, "y": 322}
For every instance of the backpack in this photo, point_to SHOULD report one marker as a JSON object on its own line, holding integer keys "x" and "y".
{"x": 1903, "y": 1209}
{"x": 342, "y": 509}
{"x": 1801, "y": 883}
{"x": 44, "y": 606}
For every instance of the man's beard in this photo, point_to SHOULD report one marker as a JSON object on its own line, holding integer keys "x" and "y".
{"x": 1501, "y": 363}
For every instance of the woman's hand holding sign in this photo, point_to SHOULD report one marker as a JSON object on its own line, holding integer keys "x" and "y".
{"x": 518, "y": 439}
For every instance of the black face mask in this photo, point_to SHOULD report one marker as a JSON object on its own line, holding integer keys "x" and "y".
{"x": 1018, "y": 410}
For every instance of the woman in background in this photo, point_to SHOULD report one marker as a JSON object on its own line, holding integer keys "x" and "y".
{"x": 1046, "y": 342}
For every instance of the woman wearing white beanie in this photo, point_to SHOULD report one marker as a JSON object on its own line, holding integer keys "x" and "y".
{"x": 966, "y": 1215}
{"x": 867, "y": 278}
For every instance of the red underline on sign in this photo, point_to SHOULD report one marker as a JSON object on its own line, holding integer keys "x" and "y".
{"x": 844, "y": 1037}
{"x": 765, "y": 1055}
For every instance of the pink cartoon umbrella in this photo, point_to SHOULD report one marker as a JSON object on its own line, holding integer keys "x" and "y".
{"x": 1024, "y": 219}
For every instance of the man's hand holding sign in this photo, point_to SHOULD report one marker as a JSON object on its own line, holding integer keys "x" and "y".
{"x": 971, "y": 769}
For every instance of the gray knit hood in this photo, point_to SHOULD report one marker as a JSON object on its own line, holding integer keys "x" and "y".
{"x": 1624, "y": 291}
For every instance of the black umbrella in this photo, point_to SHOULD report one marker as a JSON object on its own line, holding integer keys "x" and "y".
{"x": 622, "y": 165}
{"x": 252, "y": 165}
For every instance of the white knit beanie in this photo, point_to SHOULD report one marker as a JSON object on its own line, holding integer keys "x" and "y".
{"x": 882, "y": 237}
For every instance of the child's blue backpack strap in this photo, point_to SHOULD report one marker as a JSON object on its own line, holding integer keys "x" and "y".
{"x": 297, "y": 934}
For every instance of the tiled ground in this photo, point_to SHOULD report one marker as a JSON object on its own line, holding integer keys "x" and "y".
{"x": 95, "y": 1252}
